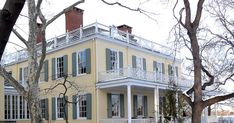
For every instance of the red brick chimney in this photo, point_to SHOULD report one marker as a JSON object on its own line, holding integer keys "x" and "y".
{"x": 125, "y": 28}
{"x": 39, "y": 34}
{"x": 74, "y": 19}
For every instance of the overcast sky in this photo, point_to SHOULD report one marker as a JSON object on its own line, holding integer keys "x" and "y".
{"x": 95, "y": 10}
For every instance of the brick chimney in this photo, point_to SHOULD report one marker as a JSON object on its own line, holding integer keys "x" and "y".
{"x": 39, "y": 34}
{"x": 125, "y": 28}
{"x": 74, "y": 19}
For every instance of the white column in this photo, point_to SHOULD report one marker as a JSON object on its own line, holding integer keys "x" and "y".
{"x": 129, "y": 104}
{"x": 156, "y": 104}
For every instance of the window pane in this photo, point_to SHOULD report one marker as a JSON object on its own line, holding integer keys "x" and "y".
{"x": 60, "y": 108}
{"x": 115, "y": 105}
{"x": 60, "y": 71}
{"x": 81, "y": 62}
{"x": 140, "y": 105}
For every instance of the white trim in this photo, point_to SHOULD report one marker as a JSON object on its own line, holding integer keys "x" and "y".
{"x": 56, "y": 68}
{"x": 56, "y": 109}
{"x": 78, "y": 107}
{"x": 117, "y": 55}
{"x": 77, "y": 64}
{"x": 129, "y": 103}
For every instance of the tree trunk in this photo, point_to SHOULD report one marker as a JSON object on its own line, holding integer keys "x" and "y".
{"x": 196, "y": 113}
{"x": 34, "y": 101}
{"x": 8, "y": 17}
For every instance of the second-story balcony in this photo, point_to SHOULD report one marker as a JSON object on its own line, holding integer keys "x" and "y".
{"x": 139, "y": 74}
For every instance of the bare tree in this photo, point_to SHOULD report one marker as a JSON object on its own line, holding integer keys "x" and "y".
{"x": 205, "y": 73}
{"x": 31, "y": 93}
{"x": 8, "y": 17}
{"x": 66, "y": 87}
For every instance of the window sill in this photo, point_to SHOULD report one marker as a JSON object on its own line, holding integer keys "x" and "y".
{"x": 83, "y": 74}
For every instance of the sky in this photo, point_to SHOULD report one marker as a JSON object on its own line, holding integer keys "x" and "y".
{"x": 95, "y": 10}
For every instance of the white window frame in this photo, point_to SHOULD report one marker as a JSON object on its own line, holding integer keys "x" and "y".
{"x": 117, "y": 59}
{"x": 56, "y": 67}
{"x": 113, "y": 94}
{"x": 142, "y": 101}
{"x": 23, "y": 74}
{"x": 17, "y": 109}
{"x": 139, "y": 59}
{"x": 43, "y": 108}
{"x": 159, "y": 74}
{"x": 56, "y": 108}
{"x": 78, "y": 106}
{"x": 77, "y": 63}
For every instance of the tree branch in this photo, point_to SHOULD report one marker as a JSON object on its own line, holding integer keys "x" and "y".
{"x": 216, "y": 99}
{"x": 63, "y": 11}
{"x": 20, "y": 89}
{"x": 210, "y": 82}
{"x": 20, "y": 37}
{"x": 198, "y": 13}
{"x": 188, "y": 14}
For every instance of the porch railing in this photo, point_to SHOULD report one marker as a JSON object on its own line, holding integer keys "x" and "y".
{"x": 109, "y": 32}
{"x": 143, "y": 75}
{"x": 147, "y": 120}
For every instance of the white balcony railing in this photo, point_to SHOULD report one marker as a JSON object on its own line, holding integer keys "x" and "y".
{"x": 146, "y": 120}
{"x": 78, "y": 35}
{"x": 142, "y": 75}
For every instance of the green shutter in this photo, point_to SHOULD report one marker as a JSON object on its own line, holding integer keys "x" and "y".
{"x": 20, "y": 75}
{"x": 144, "y": 64}
{"x": 120, "y": 59}
{"x": 133, "y": 61}
{"x": 177, "y": 72}
{"x": 74, "y": 106}
{"x": 89, "y": 106}
{"x": 109, "y": 106}
{"x": 155, "y": 66}
{"x": 108, "y": 64}
{"x": 121, "y": 105}
{"x": 46, "y": 71}
{"x": 53, "y": 108}
{"x": 74, "y": 64}
{"x": 66, "y": 108}
{"x": 163, "y": 68}
{"x": 46, "y": 109}
{"x": 88, "y": 61}
{"x": 145, "y": 106}
{"x": 65, "y": 65}
{"x": 135, "y": 105}
{"x": 53, "y": 69}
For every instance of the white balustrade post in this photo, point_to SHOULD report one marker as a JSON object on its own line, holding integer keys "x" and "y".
{"x": 96, "y": 27}
{"x": 127, "y": 37}
{"x": 81, "y": 31}
{"x": 129, "y": 104}
{"x": 55, "y": 42}
{"x": 67, "y": 37}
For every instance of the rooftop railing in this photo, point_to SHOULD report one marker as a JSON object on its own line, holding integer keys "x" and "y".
{"x": 80, "y": 34}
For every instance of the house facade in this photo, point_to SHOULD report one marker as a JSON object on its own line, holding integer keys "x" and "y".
{"x": 121, "y": 77}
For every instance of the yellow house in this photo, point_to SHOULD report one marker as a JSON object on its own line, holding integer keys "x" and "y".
{"x": 121, "y": 76}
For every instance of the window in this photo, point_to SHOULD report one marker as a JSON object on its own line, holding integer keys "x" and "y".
{"x": 115, "y": 105}
{"x": 82, "y": 106}
{"x": 60, "y": 108}
{"x": 43, "y": 108}
{"x": 15, "y": 107}
{"x": 59, "y": 67}
{"x": 139, "y": 63}
{"x": 114, "y": 60}
{"x": 81, "y": 62}
{"x": 140, "y": 106}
